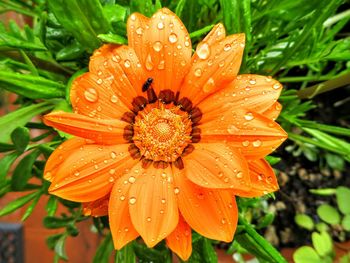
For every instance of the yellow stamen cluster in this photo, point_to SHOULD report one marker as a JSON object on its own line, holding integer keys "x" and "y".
{"x": 161, "y": 132}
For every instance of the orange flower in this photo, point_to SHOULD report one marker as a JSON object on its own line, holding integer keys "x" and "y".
{"x": 171, "y": 138}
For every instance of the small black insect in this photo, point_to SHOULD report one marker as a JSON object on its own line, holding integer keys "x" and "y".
{"x": 147, "y": 84}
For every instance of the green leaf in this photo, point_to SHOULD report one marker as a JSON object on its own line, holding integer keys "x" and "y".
{"x": 20, "y": 138}
{"x": 321, "y": 227}
{"x": 23, "y": 171}
{"x": 51, "y": 206}
{"x": 125, "y": 255}
{"x": 323, "y": 191}
{"x": 343, "y": 198}
{"x": 5, "y": 147}
{"x": 328, "y": 214}
{"x": 346, "y": 222}
{"x": 14, "y": 205}
{"x": 30, "y": 86}
{"x": 306, "y": 255}
{"x": 60, "y": 247}
{"x": 147, "y": 254}
{"x": 112, "y": 38}
{"x": 52, "y": 240}
{"x": 114, "y": 13}
{"x": 5, "y": 164}
{"x": 104, "y": 250}
{"x": 52, "y": 222}
{"x": 31, "y": 207}
{"x": 208, "y": 252}
{"x": 335, "y": 161}
{"x": 322, "y": 242}
{"x": 20, "y": 117}
{"x": 304, "y": 221}
{"x": 8, "y": 42}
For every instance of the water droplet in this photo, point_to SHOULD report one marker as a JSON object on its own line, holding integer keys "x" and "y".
{"x": 161, "y": 64}
{"x": 149, "y": 219}
{"x": 139, "y": 30}
{"x": 252, "y": 81}
{"x": 203, "y": 50}
{"x": 122, "y": 198}
{"x": 160, "y": 25}
{"x": 239, "y": 174}
{"x": 221, "y": 64}
{"x": 126, "y": 229}
{"x": 99, "y": 81}
{"x": 227, "y": 47}
{"x": 209, "y": 85}
{"x": 220, "y": 174}
{"x": 76, "y": 173}
{"x": 149, "y": 63}
{"x": 187, "y": 43}
{"x": 133, "y": 17}
{"x": 114, "y": 99}
{"x": 249, "y": 116}
{"x": 257, "y": 143}
{"x": 132, "y": 200}
{"x": 163, "y": 201}
{"x": 132, "y": 179}
{"x": 245, "y": 143}
{"x": 172, "y": 38}
{"x": 112, "y": 171}
{"x": 176, "y": 190}
{"x": 198, "y": 72}
{"x": 111, "y": 179}
{"x": 276, "y": 86}
{"x": 91, "y": 94}
{"x": 161, "y": 211}
{"x": 127, "y": 63}
{"x": 157, "y": 46}
{"x": 260, "y": 177}
{"x": 223, "y": 221}
{"x": 232, "y": 129}
{"x": 87, "y": 211}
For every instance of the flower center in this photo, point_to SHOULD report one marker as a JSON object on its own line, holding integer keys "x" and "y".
{"x": 161, "y": 132}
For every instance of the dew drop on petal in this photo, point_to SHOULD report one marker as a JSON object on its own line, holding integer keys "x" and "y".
{"x": 112, "y": 171}
{"x": 161, "y": 65}
{"x": 111, "y": 179}
{"x": 187, "y": 43}
{"x": 76, "y": 173}
{"x": 276, "y": 86}
{"x": 133, "y": 17}
{"x": 203, "y": 50}
{"x": 227, "y": 47}
{"x": 157, "y": 46}
{"x": 209, "y": 85}
{"x": 256, "y": 143}
{"x": 198, "y": 72}
{"x": 132, "y": 200}
{"x": 163, "y": 201}
{"x": 139, "y": 31}
{"x": 160, "y": 25}
{"x": 239, "y": 174}
{"x": 91, "y": 94}
{"x": 232, "y": 129}
{"x": 127, "y": 63}
{"x": 132, "y": 179}
{"x": 122, "y": 198}
{"x": 245, "y": 143}
{"x": 148, "y": 219}
{"x": 176, "y": 190}
{"x": 114, "y": 99}
{"x": 149, "y": 63}
{"x": 172, "y": 38}
{"x": 252, "y": 81}
{"x": 113, "y": 155}
{"x": 249, "y": 116}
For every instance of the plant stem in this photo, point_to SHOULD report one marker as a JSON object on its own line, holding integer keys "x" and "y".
{"x": 265, "y": 245}
{"x": 329, "y": 85}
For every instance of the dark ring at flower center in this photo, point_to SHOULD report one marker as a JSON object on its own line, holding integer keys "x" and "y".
{"x": 162, "y": 128}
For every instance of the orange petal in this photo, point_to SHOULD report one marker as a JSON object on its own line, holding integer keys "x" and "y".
{"x": 253, "y": 134}
{"x": 217, "y": 33}
{"x": 60, "y": 154}
{"x": 212, "y": 213}
{"x": 91, "y": 96}
{"x": 88, "y": 173}
{"x": 152, "y": 204}
{"x": 263, "y": 179}
{"x": 274, "y": 111}
{"x": 120, "y": 223}
{"x": 251, "y": 92}
{"x": 96, "y": 208}
{"x": 163, "y": 45}
{"x": 216, "y": 165}
{"x": 180, "y": 240}
{"x": 100, "y": 131}
{"x": 213, "y": 67}
{"x": 120, "y": 71}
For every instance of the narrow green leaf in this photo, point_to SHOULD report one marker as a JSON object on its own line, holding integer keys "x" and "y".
{"x": 328, "y": 214}
{"x": 125, "y": 255}
{"x": 51, "y": 206}
{"x": 30, "y": 86}
{"x": 20, "y": 138}
{"x": 343, "y": 198}
{"x": 52, "y": 222}
{"x": 14, "y": 205}
{"x": 5, "y": 147}
{"x": 323, "y": 191}
{"x": 31, "y": 207}
{"x": 180, "y": 7}
{"x": 60, "y": 247}
{"x": 208, "y": 252}
{"x": 5, "y": 164}
{"x": 20, "y": 117}
{"x": 23, "y": 171}
{"x": 104, "y": 250}
{"x": 112, "y": 38}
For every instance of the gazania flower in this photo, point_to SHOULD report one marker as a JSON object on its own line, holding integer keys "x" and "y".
{"x": 167, "y": 138}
